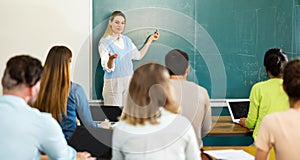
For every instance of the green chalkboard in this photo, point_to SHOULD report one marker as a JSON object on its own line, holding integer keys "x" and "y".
{"x": 226, "y": 40}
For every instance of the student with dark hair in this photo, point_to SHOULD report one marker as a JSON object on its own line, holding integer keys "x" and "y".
{"x": 193, "y": 99}
{"x": 25, "y": 132}
{"x": 268, "y": 96}
{"x": 150, "y": 127}
{"x": 117, "y": 52}
{"x": 281, "y": 130}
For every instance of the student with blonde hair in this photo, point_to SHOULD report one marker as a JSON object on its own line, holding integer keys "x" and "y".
{"x": 149, "y": 127}
{"x": 117, "y": 52}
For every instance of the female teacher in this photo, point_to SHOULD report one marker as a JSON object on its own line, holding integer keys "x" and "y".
{"x": 117, "y": 52}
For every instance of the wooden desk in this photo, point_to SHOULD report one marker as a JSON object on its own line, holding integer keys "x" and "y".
{"x": 223, "y": 125}
{"x": 249, "y": 149}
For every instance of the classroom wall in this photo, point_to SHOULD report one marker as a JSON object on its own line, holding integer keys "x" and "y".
{"x": 32, "y": 27}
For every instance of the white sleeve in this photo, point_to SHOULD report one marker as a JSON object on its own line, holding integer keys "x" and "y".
{"x": 135, "y": 52}
{"x": 103, "y": 51}
{"x": 117, "y": 154}
{"x": 116, "y": 149}
{"x": 192, "y": 150}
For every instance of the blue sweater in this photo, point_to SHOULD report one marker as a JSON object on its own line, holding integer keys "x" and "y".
{"x": 123, "y": 63}
{"x": 77, "y": 106}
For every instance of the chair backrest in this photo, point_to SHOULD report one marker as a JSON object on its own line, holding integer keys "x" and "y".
{"x": 97, "y": 141}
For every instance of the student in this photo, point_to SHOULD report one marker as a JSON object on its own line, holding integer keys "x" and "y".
{"x": 64, "y": 99}
{"x": 117, "y": 52}
{"x": 281, "y": 130}
{"x": 268, "y": 96}
{"x": 149, "y": 127}
{"x": 192, "y": 98}
{"x": 78, "y": 107}
{"x": 25, "y": 132}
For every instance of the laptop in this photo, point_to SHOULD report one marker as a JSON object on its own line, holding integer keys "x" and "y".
{"x": 96, "y": 141}
{"x": 112, "y": 113}
{"x": 238, "y": 108}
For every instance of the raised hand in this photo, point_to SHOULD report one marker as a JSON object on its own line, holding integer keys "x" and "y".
{"x": 155, "y": 36}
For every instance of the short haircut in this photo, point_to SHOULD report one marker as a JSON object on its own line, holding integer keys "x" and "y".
{"x": 177, "y": 61}
{"x": 291, "y": 79}
{"x": 274, "y": 61}
{"x": 22, "y": 69}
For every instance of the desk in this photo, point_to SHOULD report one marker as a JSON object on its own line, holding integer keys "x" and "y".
{"x": 249, "y": 149}
{"x": 226, "y": 133}
{"x": 223, "y": 125}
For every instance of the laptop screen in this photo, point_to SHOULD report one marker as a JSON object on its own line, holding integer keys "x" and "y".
{"x": 238, "y": 108}
{"x": 112, "y": 112}
{"x": 97, "y": 113}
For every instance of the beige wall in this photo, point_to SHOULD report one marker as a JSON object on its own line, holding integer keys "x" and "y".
{"x": 33, "y": 26}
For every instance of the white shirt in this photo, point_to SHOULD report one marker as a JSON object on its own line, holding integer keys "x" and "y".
{"x": 103, "y": 51}
{"x": 172, "y": 138}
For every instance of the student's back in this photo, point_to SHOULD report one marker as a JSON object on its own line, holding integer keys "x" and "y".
{"x": 193, "y": 99}
{"x": 281, "y": 130}
{"x": 172, "y": 138}
{"x": 26, "y": 131}
{"x": 268, "y": 96}
{"x": 58, "y": 96}
{"x": 77, "y": 107}
{"x": 194, "y": 105}
{"x": 149, "y": 127}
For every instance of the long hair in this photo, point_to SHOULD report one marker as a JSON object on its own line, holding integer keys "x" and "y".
{"x": 108, "y": 30}
{"x": 149, "y": 89}
{"x": 55, "y": 83}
